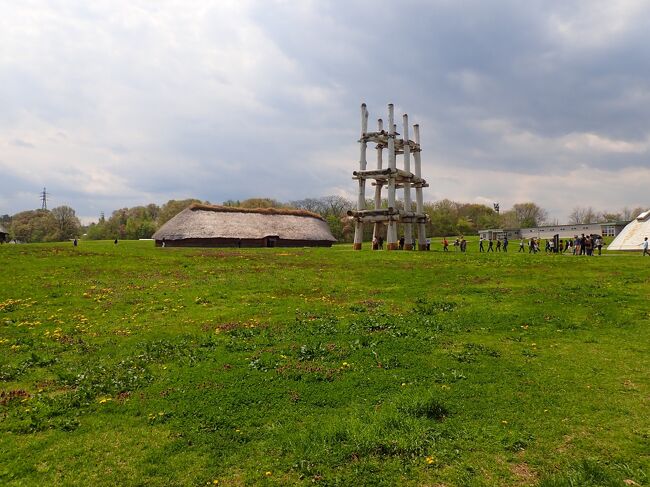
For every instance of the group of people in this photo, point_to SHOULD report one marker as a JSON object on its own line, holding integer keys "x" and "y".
{"x": 578, "y": 245}
{"x": 378, "y": 243}
{"x": 491, "y": 244}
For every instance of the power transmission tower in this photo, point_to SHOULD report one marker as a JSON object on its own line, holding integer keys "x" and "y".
{"x": 44, "y": 194}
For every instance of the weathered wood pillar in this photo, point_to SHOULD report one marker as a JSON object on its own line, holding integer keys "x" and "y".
{"x": 419, "y": 202}
{"x": 392, "y": 224}
{"x": 378, "y": 184}
{"x": 408, "y": 227}
{"x": 361, "y": 200}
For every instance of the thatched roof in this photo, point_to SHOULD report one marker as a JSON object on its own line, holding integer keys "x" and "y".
{"x": 633, "y": 234}
{"x": 203, "y": 221}
{"x": 262, "y": 211}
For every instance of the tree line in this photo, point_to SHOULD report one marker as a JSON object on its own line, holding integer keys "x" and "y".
{"x": 57, "y": 224}
{"x": 447, "y": 218}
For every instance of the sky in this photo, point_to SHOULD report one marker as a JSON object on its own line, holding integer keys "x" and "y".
{"x": 117, "y": 103}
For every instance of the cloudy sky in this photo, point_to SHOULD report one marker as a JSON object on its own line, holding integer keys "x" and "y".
{"x": 118, "y": 103}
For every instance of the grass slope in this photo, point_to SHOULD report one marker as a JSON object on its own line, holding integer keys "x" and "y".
{"x": 129, "y": 365}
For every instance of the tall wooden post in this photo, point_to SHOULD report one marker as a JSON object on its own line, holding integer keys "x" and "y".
{"x": 408, "y": 227}
{"x": 393, "y": 178}
{"x": 392, "y": 224}
{"x": 378, "y": 184}
{"x": 419, "y": 202}
{"x": 361, "y": 200}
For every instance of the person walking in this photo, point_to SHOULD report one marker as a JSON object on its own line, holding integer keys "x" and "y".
{"x": 480, "y": 245}
{"x": 522, "y": 244}
{"x": 599, "y": 244}
{"x": 401, "y": 243}
{"x": 381, "y": 242}
{"x": 445, "y": 245}
{"x": 505, "y": 243}
{"x": 490, "y": 246}
{"x": 498, "y": 245}
{"x": 589, "y": 246}
{"x": 645, "y": 247}
{"x": 463, "y": 245}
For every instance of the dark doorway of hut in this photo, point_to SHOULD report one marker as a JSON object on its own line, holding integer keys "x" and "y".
{"x": 271, "y": 241}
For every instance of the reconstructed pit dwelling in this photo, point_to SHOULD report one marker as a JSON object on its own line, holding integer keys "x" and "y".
{"x": 225, "y": 226}
{"x": 394, "y": 179}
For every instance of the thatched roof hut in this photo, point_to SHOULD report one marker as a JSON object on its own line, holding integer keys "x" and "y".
{"x": 224, "y": 226}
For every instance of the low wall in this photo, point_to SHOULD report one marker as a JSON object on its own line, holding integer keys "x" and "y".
{"x": 243, "y": 243}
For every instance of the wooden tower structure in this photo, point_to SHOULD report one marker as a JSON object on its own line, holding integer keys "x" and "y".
{"x": 393, "y": 178}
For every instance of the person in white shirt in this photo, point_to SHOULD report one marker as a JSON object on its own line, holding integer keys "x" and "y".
{"x": 645, "y": 247}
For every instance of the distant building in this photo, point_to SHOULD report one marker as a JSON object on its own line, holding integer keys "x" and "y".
{"x": 499, "y": 233}
{"x": 4, "y": 234}
{"x": 607, "y": 229}
{"x": 224, "y": 226}
{"x": 610, "y": 229}
{"x": 631, "y": 237}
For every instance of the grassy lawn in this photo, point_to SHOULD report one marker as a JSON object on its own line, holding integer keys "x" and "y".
{"x": 130, "y": 365}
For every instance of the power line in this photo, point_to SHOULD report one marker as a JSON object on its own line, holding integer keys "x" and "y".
{"x": 44, "y": 195}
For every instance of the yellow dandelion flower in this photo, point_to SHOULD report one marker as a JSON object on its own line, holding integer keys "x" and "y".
{"x": 268, "y": 473}
{"x": 429, "y": 460}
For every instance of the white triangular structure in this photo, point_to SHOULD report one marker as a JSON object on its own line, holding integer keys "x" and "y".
{"x": 631, "y": 237}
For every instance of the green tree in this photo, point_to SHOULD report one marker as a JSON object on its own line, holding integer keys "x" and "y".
{"x": 261, "y": 203}
{"x": 34, "y": 226}
{"x": 443, "y": 217}
{"x": 172, "y": 208}
{"x": 68, "y": 224}
{"x": 529, "y": 214}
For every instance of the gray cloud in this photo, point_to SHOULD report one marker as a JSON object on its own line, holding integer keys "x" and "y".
{"x": 113, "y": 104}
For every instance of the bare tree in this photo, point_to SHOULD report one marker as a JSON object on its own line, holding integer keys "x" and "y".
{"x": 336, "y": 205}
{"x": 529, "y": 214}
{"x": 582, "y": 215}
{"x": 310, "y": 204}
{"x": 631, "y": 213}
{"x": 610, "y": 216}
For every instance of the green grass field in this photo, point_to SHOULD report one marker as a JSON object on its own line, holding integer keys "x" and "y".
{"x": 130, "y": 365}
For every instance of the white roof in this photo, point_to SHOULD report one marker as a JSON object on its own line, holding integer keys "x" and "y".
{"x": 631, "y": 237}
